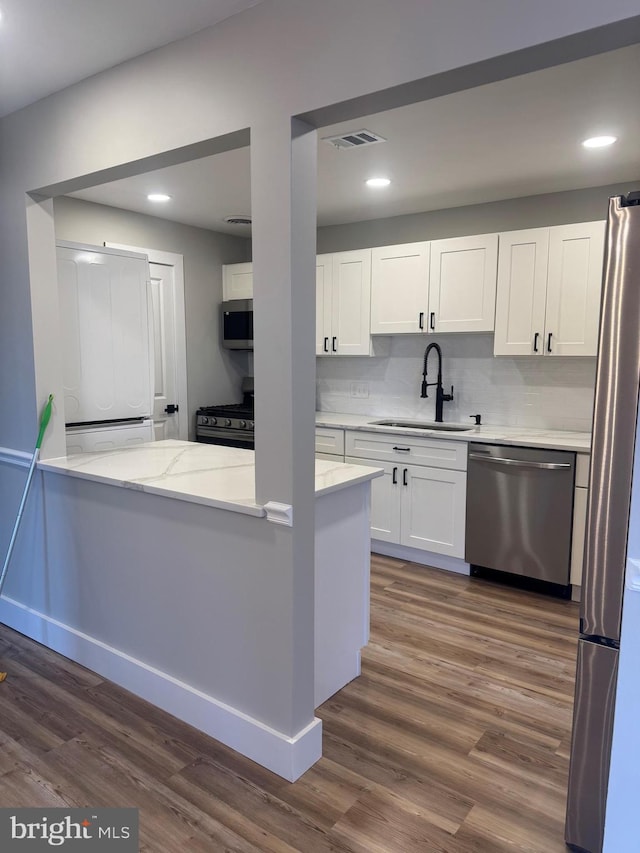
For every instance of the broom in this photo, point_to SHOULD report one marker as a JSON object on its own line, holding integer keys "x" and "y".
{"x": 44, "y": 420}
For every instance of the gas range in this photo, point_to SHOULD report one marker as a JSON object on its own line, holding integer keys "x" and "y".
{"x": 229, "y": 424}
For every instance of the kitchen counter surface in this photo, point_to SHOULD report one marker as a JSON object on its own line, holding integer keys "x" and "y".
{"x": 208, "y": 474}
{"x": 580, "y": 442}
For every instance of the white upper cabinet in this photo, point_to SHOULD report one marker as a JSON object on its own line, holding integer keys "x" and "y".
{"x": 521, "y": 295}
{"x": 324, "y": 270}
{"x": 237, "y": 281}
{"x": 345, "y": 305}
{"x": 574, "y": 284}
{"x": 549, "y": 282}
{"x": 462, "y": 284}
{"x": 399, "y": 289}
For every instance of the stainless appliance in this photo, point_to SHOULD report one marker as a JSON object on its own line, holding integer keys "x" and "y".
{"x": 237, "y": 324}
{"x": 519, "y": 508}
{"x": 608, "y": 525}
{"x": 231, "y": 425}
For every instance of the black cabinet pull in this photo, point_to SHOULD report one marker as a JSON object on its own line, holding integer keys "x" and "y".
{"x": 432, "y": 321}
{"x": 394, "y": 477}
{"x": 326, "y": 345}
{"x": 535, "y": 341}
{"x": 404, "y": 476}
{"x": 421, "y": 320}
{"x": 172, "y": 408}
{"x": 333, "y": 344}
{"x": 549, "y": 343}
{"x": 403, "y": 449}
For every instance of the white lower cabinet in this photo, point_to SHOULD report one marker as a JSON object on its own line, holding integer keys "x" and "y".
{"x": 330, "y": 443}
{"x": 415, "y": 504}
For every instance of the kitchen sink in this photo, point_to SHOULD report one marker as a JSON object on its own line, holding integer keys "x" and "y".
{"x": 427, "y": 425}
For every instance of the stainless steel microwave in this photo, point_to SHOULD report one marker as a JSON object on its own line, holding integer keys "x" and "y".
{"x": 237, "y": 323}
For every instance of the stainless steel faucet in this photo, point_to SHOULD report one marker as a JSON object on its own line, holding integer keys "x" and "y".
{"x": 441, "y": 397}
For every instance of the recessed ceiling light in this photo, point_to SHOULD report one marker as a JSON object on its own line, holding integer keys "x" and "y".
{"x": 599, "y": 141}
{"x": 159, "y": 197}
{"x": 378, "y": 182}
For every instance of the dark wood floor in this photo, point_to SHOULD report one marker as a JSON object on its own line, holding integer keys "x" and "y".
{"x": 454, "y": 739}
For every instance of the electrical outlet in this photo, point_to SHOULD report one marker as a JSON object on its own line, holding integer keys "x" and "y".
{"x": 360, "y": 390}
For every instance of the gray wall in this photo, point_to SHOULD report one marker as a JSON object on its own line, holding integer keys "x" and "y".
{"x": 213, "y": 374}
{"x": 533, "y": 211}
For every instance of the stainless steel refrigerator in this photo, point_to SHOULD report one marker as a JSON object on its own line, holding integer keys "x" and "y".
{"x": 608, "y": 519}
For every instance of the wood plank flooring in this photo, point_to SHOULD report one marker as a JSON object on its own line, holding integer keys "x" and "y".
{"x": 455, "y": 738}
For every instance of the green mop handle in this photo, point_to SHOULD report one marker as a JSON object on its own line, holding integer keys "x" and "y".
{"x": 44, "y": 421}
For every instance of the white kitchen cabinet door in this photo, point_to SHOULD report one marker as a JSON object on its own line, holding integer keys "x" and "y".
{"x": 574, "y": 284}
{"x": 385, "y": 500}
{"x": 521, "y": 293}
{"x": 351, "y": 303}
{"x": 324, "y": 270}
{"x": 399, "y": 289}
{"x": 433, "y": 509}
{"x": 104, "y": 315}
{"x": 237, "y": 281}
{"x": 462, "y": 284}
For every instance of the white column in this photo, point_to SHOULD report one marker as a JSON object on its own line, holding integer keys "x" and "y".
{"x": 283, "y": 207}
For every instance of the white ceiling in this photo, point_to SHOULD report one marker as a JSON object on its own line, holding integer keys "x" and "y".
{"x": 508, "y": 139}
{"x": 46, "y": 45}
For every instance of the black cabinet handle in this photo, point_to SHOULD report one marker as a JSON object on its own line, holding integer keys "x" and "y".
{"x": 535, "y": 341}
{"x": 549, "y": 343}
{"x": 432, "y": 321}
{"x": 421, "y": 320}
{"x": 172, "y": 408}
{"x": 394, "y": 476}
{"x": 403, "y": 449}
{"x": 404, "y": 476}
{"x": 326, "y": 345}
{"x": 333, "y": 344}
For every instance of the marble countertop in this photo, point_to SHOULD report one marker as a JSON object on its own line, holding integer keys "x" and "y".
{"x": 580, "y": 442}
{"x": 221, "y": 477}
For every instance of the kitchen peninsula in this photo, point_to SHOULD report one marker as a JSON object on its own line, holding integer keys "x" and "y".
{"x": 155, "y": 576}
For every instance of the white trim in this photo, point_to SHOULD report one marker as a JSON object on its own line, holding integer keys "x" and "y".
{"x": 171, "y": 259}
{"x": 279, "y": 513}
{"x": 289, "y": 757}
{"x": 425, "y": 558}
{"x": 15, "y": 457}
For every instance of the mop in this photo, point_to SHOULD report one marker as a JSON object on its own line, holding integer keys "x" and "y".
{"x": 44, "y": 420}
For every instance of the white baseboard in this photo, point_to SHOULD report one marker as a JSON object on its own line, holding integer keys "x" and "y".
{"x": 424, "y": 558}
{"x": 289, "y": 757}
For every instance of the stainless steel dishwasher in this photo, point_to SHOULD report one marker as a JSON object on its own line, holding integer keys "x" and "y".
{"x": 519, "y": 513}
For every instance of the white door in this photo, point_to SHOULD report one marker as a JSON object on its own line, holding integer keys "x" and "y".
{"x": 165, "y": 392}
{"x": 351, "y": 303}
{"x": 168, "y": 343}
{"x": 523, "y": 258}
{"x": 462, "y": 284}
{"x": 574, "y": 283}
{"x": 399, "y": 289}
{"x": 434, "y": 510}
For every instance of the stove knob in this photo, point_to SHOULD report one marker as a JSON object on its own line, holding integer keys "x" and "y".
{"x": 227, "y": 422}
{"x": 204, "y": 421}
{"x": 243, "y": 425}
{"x": 251, "y": 425}
{"x": 212, "y": 421}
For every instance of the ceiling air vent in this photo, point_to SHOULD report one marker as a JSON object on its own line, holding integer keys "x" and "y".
{"x": 238, "y": 219}
{"x": 356, "y": 139}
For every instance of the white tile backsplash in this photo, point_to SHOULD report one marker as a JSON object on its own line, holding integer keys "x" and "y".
{"x": 544, "y": 392}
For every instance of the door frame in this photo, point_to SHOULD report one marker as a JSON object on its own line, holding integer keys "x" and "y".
{"x": 172, "y": 259}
